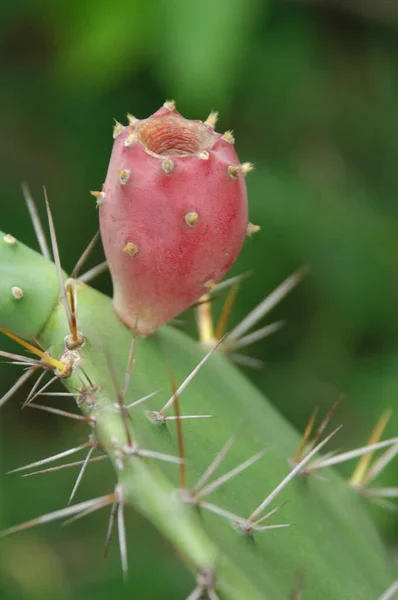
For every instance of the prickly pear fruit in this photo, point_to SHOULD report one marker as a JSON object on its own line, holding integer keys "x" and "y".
{"x": 173, "y": 214}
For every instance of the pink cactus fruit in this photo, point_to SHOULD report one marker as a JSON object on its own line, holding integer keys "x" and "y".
{"x": 173, "y": 214}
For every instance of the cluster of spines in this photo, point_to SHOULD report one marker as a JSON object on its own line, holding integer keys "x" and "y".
{"x": 303, "y": 464}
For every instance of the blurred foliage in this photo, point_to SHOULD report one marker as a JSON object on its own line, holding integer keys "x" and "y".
{"x": 311, "y": 90}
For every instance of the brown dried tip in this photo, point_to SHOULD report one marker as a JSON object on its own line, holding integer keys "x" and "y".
{"x": 168, "y": 165}
{"x": 124, "y": 175}
{"x": 212, "y": 119}
{"x": 117, "y": 129}
{"x": 130, "y": 248}
{"x": 252, "y": 229}
{"x": 191, "y": 218}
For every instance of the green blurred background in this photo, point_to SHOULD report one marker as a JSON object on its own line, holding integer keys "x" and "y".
{"x": 311, "y": 92}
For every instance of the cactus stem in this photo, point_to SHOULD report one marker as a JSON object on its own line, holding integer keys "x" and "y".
{"x": 63, "y": 413}
{"x": 100, "y": 197}
{"x": 54, "y": 457}
{"x": 131, "y": 119}
{"x": 390, "y": 592}
{"x": 16, "y": 292}
{"x": 228, "y": 136}
{"x": 131, "y": 139}
{"x": 37, "y": 225}
{"x": 168, "y": 165}
{"x": 191, "y": 218}
{"x": 124, "y": 176}
{"x": 77, "y": 463}
{"x": 117, "y": 129}
{"x": 93, "y": 504}
{"x": 94, "y": 272}
{"x": 364, "y": 463}
{"x": 251, "y": 229}
{"x": 17, "y": 385}
{"x": 170, "y": 104}
{"x": 212, "y": 119}
{"x": 131, "y": 249}
{"x": 9, "y": 239}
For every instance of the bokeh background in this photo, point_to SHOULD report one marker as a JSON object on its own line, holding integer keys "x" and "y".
{"x": 310, "y": 89}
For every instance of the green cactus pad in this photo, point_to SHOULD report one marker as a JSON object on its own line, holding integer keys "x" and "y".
{"x": 24, "y": 269}
{"x": 332, "y": 540}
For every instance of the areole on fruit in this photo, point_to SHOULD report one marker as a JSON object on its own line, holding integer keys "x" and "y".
{"x": 169, "y": 191}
